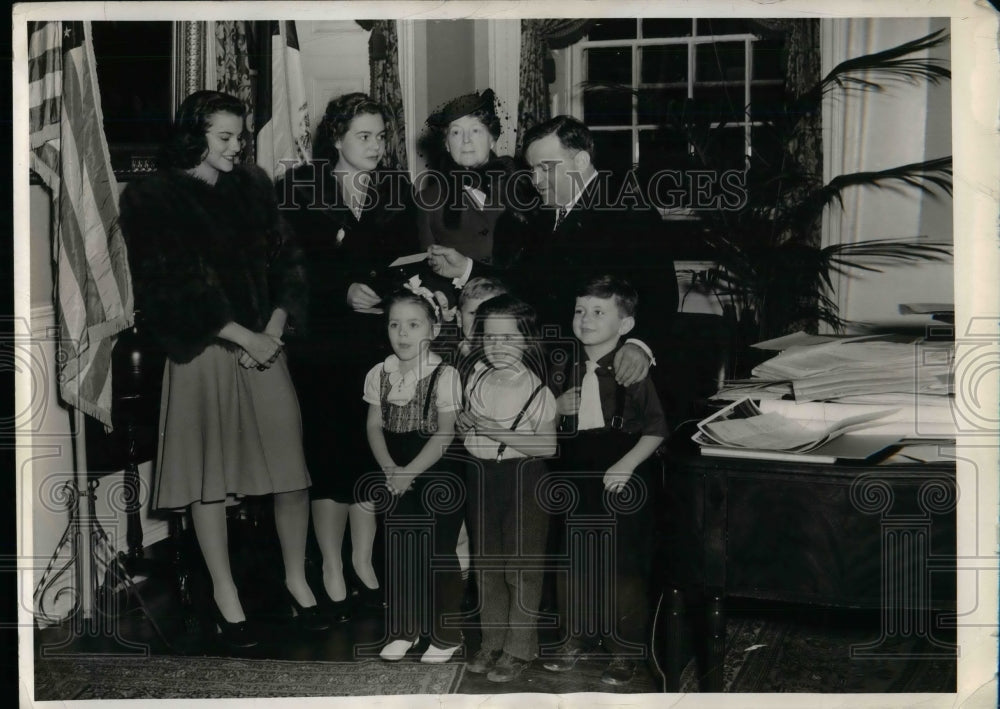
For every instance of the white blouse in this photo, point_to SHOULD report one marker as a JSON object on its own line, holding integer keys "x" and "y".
{"x": 403, "y": 385}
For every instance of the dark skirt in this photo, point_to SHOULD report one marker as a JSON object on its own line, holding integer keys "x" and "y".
{"x": 329, "y": 374}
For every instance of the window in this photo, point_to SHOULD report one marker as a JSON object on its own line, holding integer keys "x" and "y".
{"x": 637, "y": 72}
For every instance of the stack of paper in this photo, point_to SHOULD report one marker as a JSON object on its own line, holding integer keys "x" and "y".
{"x": 742, "y": 429}
{"x": 826, "y": 379}
{"x": 861, "y": 366}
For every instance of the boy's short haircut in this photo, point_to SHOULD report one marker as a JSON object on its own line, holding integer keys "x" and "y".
{"x": 621, "y": 290}
{"x": 481, "y": 287}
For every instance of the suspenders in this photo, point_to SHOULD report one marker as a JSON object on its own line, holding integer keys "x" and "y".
{"x": 618, "y": 419}
{"x": 517, "y": 419}
{"x": 431, "y": 393}
{"x": 524, "y": 409}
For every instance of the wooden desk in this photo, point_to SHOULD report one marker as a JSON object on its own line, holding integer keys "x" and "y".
{"x": 850, "y": 536}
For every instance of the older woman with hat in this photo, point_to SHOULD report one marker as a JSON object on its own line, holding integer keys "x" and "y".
{"x": 469, "y": 202}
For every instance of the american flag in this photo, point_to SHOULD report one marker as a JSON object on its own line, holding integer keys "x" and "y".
{"x": 284, "y": 120}
{"x": 70, "y": 153}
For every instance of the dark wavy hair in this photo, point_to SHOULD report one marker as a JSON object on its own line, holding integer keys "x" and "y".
{"x": 337, "y": 119}
{"x": 619, "y": 289}
{"x": 506, "y": 305}
{"x": 572, "y": 134}
{"x": 187, "y": 143}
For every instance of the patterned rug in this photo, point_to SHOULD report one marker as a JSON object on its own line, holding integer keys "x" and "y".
{"x": 117, "y": 677}
{"x": 775, "y": 656}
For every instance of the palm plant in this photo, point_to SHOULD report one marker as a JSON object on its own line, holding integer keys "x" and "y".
{"x": 770, "y": 271}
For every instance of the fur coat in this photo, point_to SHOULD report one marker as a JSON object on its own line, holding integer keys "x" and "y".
{"x": 205, "y": 255}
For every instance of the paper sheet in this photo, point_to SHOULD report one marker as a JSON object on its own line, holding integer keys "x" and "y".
{"x": 407, "y": 260}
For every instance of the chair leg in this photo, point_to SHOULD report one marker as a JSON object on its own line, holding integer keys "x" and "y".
{"x": 675, "y": 630}
{"x": 716, "y": 617}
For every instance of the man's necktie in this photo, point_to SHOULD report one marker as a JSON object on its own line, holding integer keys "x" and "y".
{"x": 590, "y": 414}
{"x": 560, "y": 215}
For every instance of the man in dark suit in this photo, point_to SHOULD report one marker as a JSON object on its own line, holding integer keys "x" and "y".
{"x": 592, "y": 227}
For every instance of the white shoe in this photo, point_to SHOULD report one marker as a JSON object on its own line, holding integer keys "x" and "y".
{"x": 396, "y": 650}
{"x": 434, "y": 655}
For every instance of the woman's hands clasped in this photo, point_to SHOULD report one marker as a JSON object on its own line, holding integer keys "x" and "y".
{"x": 260, "y": 350}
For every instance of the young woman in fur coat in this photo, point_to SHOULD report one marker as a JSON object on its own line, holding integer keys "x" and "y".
{"x": 218, "y": 284}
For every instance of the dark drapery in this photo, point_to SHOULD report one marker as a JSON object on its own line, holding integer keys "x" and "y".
{"x": 383, "y": 58}
{"x": 802, "y": 72}
{"x": 232, "y": 70}
{"x": 538, "y": 38}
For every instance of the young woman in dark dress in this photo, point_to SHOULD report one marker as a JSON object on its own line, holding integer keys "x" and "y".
{"x": 218, "y": 282}
{"x": 351, "y": 221}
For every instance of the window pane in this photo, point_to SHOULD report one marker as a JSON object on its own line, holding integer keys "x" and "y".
{"x": 720, "y": 61}
{"x": 607, "y": 107}
{"x": 613, "y": 29}
{"x": 655, "y": 104}
{"x": 666, "y": 27}
{"x": 766, "y": 102}
{"x": 662, "y": 149}
{"x": 766, "y": 147}
{"x": 613, "y": 151}
{"x": 723, "y": 104}
{"x": 723, "y": 25}
{"x": 727, "y": 148}
{"x": 613, "y": 64}
{"x": 660, "y": 65}
{"x": 768, "y": 59}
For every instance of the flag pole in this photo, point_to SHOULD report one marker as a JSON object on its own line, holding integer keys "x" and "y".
{"x": 84, "y": 551}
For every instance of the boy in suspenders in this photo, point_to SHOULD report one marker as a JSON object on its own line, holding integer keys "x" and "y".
{"x": 607, "y": 435}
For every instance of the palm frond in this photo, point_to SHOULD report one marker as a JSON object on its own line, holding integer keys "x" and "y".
{"x": 869, "y": 255}
{"x": 893, "y": 64}
{"x": 920, "y": 175}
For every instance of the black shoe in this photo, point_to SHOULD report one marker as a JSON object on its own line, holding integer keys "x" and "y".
{"x": 507, "y": 669}
{"x": 373, "y": 598}
{"x": 565, "y": 658}
{"x": 307, "y": 618}
{"x": 483, "y": 661}
{"x": 335, "y": 611}
{"x": 619, "y": 671}
{"x": 470, "y": 596}
{"x": 235, "y": 635}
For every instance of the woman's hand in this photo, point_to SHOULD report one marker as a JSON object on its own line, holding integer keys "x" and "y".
{"x": 246, "y": 361}
{"x": 568, "y": 402}
{"x": 361, "y": 297}
{"x": 446, "y": 261}
{"x": 263, "y": 348}
{"x": 631, "y": 364}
